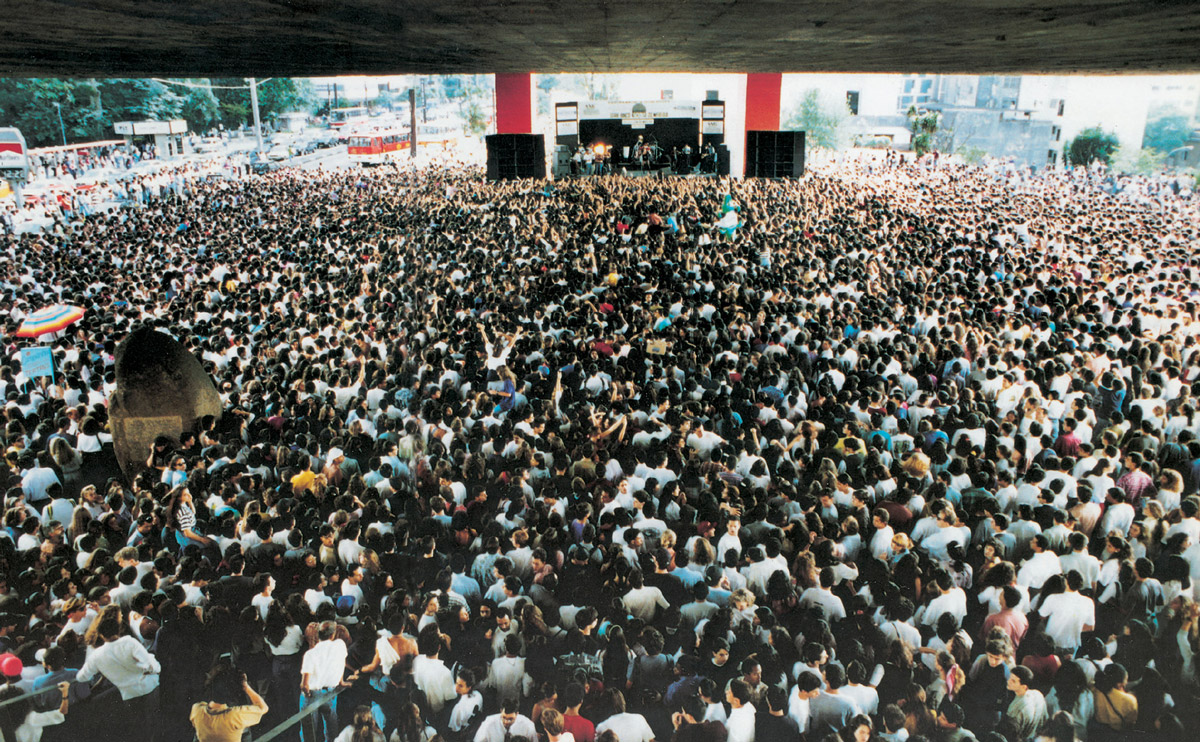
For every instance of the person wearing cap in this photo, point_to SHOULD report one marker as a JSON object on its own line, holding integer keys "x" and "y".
{"x": 334, "y": 473}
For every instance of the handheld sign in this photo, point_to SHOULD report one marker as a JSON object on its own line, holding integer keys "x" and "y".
{"x": 37, "y": 362}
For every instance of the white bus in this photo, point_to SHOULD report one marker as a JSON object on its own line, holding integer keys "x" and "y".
{"x": 341, "y": 117}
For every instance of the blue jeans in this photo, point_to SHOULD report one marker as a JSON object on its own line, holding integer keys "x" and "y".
{"x": 322, "y": 725}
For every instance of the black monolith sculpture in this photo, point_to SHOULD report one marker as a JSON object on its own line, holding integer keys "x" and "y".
{"x": 161, "y": 390}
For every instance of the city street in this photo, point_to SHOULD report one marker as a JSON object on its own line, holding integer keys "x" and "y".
{"x": 227, "y": 158}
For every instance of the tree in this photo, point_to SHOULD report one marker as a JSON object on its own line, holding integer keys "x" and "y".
{"x": 284, "y": 95}
{"x": 1144, "y": 161}
{"x": 822, "y": 121}
{"x": 233, "y": 100}
{"x": 1166, "y": 129}
{"x": 924, "y": 125}
{"x": 545, "y": 85}
{"x": 200, "y": 107}
{"x": 275, "y": 96}
{"x": 972, "y": 155}
{"x": 474, "y": 104}
{"x": 1091, "y": 145}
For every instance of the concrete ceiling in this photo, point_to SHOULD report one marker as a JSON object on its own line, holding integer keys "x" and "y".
{"x": 324, "y": 37}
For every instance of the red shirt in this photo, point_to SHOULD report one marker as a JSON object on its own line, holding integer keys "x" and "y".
{"x": 580, "y": 728}
{"x": 1014, "y": 624}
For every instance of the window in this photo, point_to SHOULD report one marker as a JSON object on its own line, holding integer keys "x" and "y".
{"x": 1052, "y": 158}
{"x": 926, "y": 86}
{"x": 1056, "y": 132}
{"x": 852, "y": 101}
{"x": 1061, "y": 105}
{"x": 908, "y": 86}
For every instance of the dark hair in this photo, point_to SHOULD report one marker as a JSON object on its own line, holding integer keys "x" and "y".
{"x": 224, "y": 683}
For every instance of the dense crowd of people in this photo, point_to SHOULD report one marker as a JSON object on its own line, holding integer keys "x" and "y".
{"x": 900, "y": 453}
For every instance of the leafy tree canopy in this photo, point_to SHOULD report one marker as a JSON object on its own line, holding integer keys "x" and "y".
{"x": 1166, "y": 129}
{"x": 822, "y": 121}
{"x": 1091, "y": 145}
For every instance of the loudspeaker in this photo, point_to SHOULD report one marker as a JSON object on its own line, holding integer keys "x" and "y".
{"x": 774, "y": 154}
{"x": 722, "y": 159}
{"x": 514, "y": 156}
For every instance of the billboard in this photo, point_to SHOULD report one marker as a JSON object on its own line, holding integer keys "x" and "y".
{"x": 150, "y": 128}
{"x": 14, "y": 162}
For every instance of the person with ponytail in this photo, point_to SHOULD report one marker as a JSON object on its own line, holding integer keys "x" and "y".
{"x": 363, "y": 728}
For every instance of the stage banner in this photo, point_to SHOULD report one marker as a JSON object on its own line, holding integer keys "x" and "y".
{"x": 633, "y": 113}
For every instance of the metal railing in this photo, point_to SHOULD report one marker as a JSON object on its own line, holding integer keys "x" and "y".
{"x": 300, "y": 716}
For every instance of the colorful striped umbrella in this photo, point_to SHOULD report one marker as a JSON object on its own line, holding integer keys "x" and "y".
{"x": 50, "y": 319}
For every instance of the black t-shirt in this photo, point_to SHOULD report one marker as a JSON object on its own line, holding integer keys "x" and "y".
{"x": 705, "y": 731}
{"x": 775, "y": 728}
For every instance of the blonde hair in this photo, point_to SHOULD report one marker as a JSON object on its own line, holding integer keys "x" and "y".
{"x": 742, "y": 595}
{"x": 916, "y": 465}
{"x": 552, "y": 722}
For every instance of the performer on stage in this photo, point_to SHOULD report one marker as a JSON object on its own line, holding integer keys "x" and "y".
{"x": 708, "y": 163}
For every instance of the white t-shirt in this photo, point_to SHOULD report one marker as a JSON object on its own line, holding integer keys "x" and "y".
{"x": 1066, "y": 614}
{"x": 324, "y": 664}
{"x": 628, "y": 727}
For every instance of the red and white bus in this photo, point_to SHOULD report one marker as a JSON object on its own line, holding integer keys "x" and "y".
{"x": 377, "y": 147}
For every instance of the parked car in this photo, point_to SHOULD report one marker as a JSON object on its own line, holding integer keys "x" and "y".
{"x": 281, "y": 151}
{"x": 259, "y": 164}
{"x": 209, "y": 144}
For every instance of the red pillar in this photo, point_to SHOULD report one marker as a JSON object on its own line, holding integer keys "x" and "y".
{"x": 514, "y": 103}
{"x": 762, "y": 100}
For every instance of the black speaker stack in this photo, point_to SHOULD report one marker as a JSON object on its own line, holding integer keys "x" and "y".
{"x": 516, "y": 156}
{"x": 774, "y": 154}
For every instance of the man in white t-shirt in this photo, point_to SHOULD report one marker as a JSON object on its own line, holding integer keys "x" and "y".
{"x": 1068, "y": 614}
{"x": 1041, "y": 566}
{"x": 643, "y": 601}
{"x": 627, "y": 727}
{"x": 703, "y": 442}
{"x": 321, "y": 672}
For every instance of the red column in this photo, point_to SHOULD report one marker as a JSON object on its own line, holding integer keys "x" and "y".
{"x": 514, "y": 103}
{"x": 762, "y": 100}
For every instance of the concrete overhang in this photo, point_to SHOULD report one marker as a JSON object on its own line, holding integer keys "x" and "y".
{"x": 321, "y": 37}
